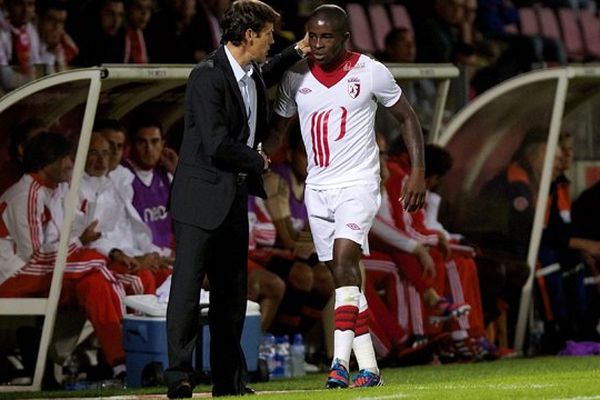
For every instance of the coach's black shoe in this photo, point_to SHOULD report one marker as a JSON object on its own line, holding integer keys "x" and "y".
{"x": 183, "y": 390}
{"x": 248, "y": 391}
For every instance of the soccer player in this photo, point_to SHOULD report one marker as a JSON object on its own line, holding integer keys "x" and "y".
{"x": 333, "y": 92}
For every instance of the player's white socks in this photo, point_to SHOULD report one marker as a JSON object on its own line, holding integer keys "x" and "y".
{"x": 346, "y": 312}
{"x": 362, "y": 344}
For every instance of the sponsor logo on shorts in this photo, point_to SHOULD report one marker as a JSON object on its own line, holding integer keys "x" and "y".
{"x": 353, "y": 226}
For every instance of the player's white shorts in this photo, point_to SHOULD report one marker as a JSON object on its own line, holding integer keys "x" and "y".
{"x": 346, "y": 213}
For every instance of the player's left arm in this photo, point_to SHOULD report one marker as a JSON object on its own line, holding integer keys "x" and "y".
{"x": 413, "y": 192}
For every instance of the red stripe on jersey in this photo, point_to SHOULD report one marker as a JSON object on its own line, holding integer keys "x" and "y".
{"x": 325, "y": 138}
{"x": 313, "y": 137}
{"x": 343, "y": 123}
{"x": 337, "y": 72}
{"x": 319, "y": 140}
{"x": 362, "y": 323}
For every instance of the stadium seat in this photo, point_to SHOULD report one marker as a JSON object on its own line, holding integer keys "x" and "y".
{"x": 529, "y": 21}
{"x": 590, "y": 27}
{"x": 548, "y": 23}
{"x": 571, "y": 33}
{"x": 380, "y": 22}
{"x": 360, "y": 37}
{"x": 400, "y": 17}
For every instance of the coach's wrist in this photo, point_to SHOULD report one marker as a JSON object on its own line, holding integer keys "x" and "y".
{"x": 302, "y": 50}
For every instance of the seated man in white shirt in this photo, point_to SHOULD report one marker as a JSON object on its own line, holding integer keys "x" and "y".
{"x": 125, "y": 239}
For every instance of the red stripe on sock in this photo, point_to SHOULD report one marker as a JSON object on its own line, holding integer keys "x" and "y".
{"x": 362, "y": 323}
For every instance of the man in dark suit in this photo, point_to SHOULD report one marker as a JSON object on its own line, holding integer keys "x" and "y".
{"x": 220, "y": 164}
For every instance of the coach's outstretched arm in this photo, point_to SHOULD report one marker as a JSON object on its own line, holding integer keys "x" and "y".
{"x": 413, "y": 193}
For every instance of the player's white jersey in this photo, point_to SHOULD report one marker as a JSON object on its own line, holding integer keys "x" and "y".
{"x": 337, "y": 117}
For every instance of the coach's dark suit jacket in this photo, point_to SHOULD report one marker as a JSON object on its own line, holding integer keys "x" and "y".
{"x": 209, "y": 206}
{"x": 214, "y": 150}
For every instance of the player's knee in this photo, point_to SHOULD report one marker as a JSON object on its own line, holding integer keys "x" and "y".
{"x": 301, "y": 277}
{"x": 253, "y": 287}
{"x": 345, "y": 275}
{"x": 276, "y": 287}
{"x": 323, "y": 281}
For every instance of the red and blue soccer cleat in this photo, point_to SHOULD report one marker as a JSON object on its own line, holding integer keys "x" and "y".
{"x": 338, "y": 376}
{"x": 366, "y": 378}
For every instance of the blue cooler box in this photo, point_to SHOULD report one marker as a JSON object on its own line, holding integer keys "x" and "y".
{"x": 145, "y": 342}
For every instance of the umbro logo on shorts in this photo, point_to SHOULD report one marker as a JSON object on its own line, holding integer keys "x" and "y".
{"x": 353, "y": 226}
{"x": 305, "y": 90}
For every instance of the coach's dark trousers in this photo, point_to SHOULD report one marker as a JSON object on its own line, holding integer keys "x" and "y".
{"x": 221, "y": 254}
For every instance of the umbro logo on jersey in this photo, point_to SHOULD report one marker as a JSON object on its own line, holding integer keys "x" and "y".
{"x": 305, "y": 90}
{"x": 353, "y": 226}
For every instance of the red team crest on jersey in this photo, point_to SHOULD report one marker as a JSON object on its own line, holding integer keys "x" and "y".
{"x": 354, "y": 87}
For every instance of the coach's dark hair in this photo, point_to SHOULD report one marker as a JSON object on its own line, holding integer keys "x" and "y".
{"x": 333, "y": 13}
{"x": 244, "y": 15}
{"x": 45, "y": 149}
{"x": 437, "y": 160}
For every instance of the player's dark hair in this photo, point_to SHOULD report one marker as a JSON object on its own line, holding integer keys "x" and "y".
{"x": 108, "y": 124}
{"x": 334, "y": 14}
{"x": 395, "y": 35}
{"x": 143, "y": 121}
{"x": 42, "y": 7}
{"x": 20, "y": 134}
{"x": 244, "y": 15}
{"x": 45, "y": 149}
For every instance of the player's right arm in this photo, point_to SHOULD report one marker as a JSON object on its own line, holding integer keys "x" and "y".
{"x": 277, "y": 130}
{"x": 284, "y": 110}
{"x": 413, "y": 192}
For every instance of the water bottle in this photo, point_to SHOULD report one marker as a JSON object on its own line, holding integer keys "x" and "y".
{"x": 287, "y": 357}
{"x": 266, "y": 351}
{"x": 282, "y": 358}
{"x": 297, "y": 352}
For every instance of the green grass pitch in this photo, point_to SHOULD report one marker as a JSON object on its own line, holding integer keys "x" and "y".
{"x": 576, "y": 378}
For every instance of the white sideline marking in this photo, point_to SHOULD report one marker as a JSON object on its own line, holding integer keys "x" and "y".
{"x": 505, "y": 386}
{"x": 392, "y": 396}
{"x": 596, "y": 397}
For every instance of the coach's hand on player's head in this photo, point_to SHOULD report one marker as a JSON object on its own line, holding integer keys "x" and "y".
{"x": 413, "y": 192}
